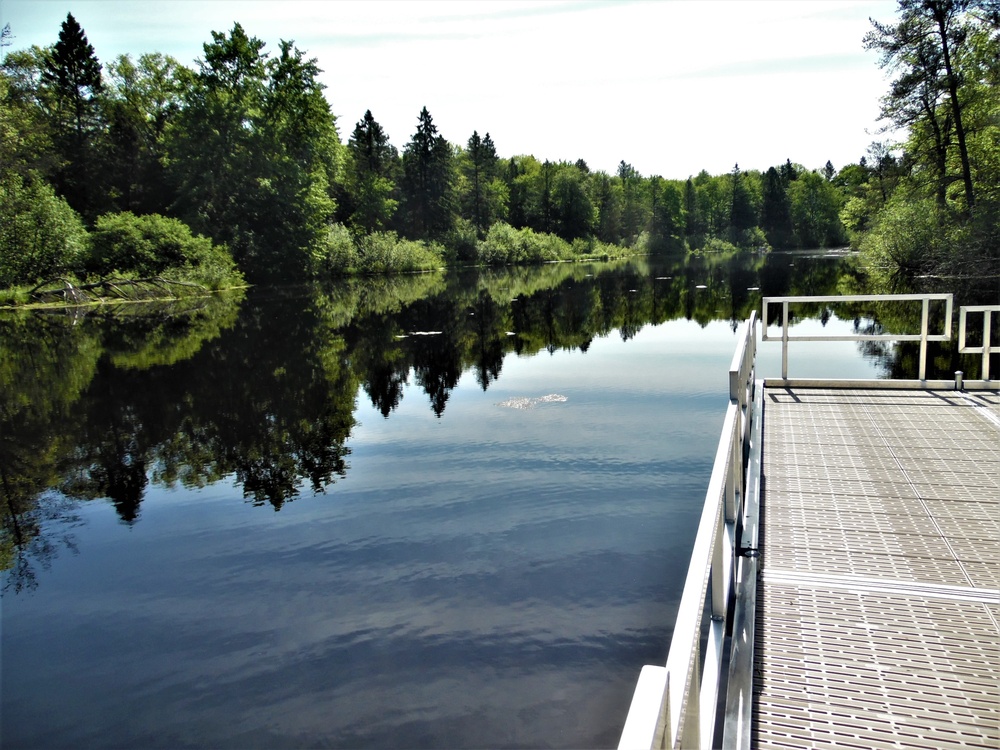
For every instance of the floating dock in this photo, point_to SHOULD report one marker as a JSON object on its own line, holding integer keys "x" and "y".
{"x": 878, "y": 615}
{"x": 844, "y": 586}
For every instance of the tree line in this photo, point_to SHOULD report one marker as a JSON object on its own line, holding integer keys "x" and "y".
{"x": 244, "y": 149}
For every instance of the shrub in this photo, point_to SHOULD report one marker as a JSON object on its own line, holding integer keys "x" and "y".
{"x": 152, "y": 245}
{"x": 384, "y": 252}
{"x": 905, "y": 242}
{"x": 40, "y": 235}
{"x": 505, "y": 245}
{"x": 337, "y": 254}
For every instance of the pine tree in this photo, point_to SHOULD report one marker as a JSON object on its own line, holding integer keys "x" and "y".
{"x": 73, "y": 75}
{"x": 371, "y": 189}
{"x": 776, "y": 210}
{"x": 427, "y": 180}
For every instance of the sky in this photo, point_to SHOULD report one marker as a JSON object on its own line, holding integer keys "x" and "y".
{"x": 669, "y": 86}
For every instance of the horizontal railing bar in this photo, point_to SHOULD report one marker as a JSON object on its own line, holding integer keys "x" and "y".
{"x": 981, "y": 308}
{"x": 865, "y": 337}
{"x": 860, "y": 297}
{"x": 644, "y": 725}
{"x": 889, "y": 385}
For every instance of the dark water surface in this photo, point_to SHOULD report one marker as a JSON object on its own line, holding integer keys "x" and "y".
{"x": 318, "y": 518}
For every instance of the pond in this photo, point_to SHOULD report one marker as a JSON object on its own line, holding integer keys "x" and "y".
{"x": 449, "y": 510}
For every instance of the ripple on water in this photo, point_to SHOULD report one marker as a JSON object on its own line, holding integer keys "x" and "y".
{"x": 525, "y": 402}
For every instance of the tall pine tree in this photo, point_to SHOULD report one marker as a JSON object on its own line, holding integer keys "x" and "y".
{"x": 72, "y": 74}
{"x": 427, "y": 180}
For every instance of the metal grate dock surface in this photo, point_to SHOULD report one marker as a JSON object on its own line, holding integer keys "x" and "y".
{"x": 878, "y": 610}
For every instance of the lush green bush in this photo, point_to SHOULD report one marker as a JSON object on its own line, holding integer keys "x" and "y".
{"x": 717, "y": 245}
{"x": 40, "y": 235}
{"x": 905, "y": 242}
{"x": 462, "y": 242}
{"x": 384, "y": 252}
{"x": 505, "y": 245}
{"x": 153, "y": 245}
{"x": 337, "y": 254}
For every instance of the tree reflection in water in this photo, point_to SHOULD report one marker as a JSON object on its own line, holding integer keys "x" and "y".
{"x": 264, "y": 388}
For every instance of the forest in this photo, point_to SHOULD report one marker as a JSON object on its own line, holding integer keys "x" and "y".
{"x": 163, "y": 177}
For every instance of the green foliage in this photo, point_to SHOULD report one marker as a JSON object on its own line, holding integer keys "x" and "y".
{"x": 151, "y": 245}
{"x": 505, "y": 245}
{"x": 372, "y": 164}
{"x": 72, "y": 74}
{"x": 719, "y": 245}
{"x": 384, "y": 252}
{"x": 338, "y": 253}
{"x": 933, "y": 211}
{"x": 40, "y": 235}
{"x": 815, "y": 205}
{"x": 908, "y": 236}
{"x": 140, "y": 99}
{"x": 254, "y": 152}
{"x": 479, "y": 167}
{"x": 428, "y": 181}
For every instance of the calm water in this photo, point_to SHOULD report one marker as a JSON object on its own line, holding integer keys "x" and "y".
{"x": 316, "y": 518}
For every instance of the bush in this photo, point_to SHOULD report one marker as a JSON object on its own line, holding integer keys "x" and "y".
{"x": 906, "y": 241}
{"x": 384, "y": 252}
{"x": 717, "y": 245}
{"x": 152, "y": 245}
{"x": 505, "y": 245}
{"x": 40, "y": 235}
{"x": 462, "y": 242}
{"x": 337, "y": 253}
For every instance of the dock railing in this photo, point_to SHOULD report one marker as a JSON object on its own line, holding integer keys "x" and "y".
{"x": 924, "y": 336}
{"x": 964, "y": 347}
{"x": 676, "y": 705}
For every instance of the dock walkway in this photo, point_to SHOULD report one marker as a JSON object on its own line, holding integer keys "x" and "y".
{"x": 878, "y": 612}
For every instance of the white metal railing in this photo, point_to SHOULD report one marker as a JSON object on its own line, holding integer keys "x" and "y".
{"x": 676, "y": 705}
{"x": 923, "y": 337}
{"x": 985, "y": 349}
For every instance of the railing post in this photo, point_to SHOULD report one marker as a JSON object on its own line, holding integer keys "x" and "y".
{"x": 784, "y": 340}
{"x": 924, "y": 318}
{"x": 987, "y": 314}
{"x": 719, "y": 571}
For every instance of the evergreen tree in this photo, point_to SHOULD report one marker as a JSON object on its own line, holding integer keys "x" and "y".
{"x": 140, "y": 100}
{"x": 428, "y": 183}
{"x": 665, "y": 222}
{"x": 72, "y": 74}
{"x": 573, "y": 211}
{"x": 480, "y": 171}
{"x": 694, "y": 224}
{"x": 372, "y": 186}
{"x": 776, "y": 210}
{"x": 608, "y": 207}
{"x": 214, "y": 147}
{"x": 631, "y": 213}
{"x": 742, "y": 215}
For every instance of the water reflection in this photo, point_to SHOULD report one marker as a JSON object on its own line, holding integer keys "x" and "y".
{"x": 265, "y": 388}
